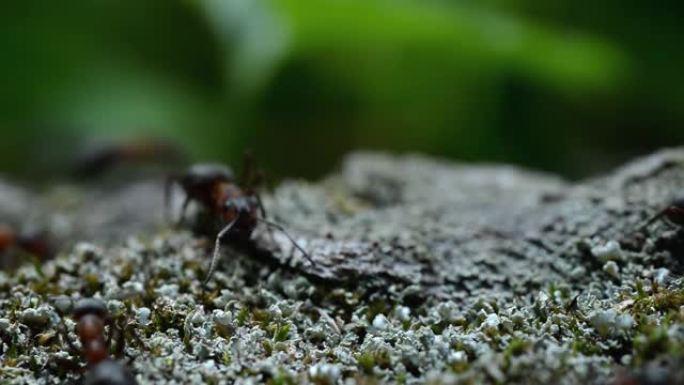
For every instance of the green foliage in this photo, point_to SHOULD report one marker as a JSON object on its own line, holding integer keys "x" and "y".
{"x": 523, "y": 82}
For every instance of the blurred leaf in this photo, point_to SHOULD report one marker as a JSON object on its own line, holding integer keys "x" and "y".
{"x": 257, "y": 39}
{"x": 457, "y": 33}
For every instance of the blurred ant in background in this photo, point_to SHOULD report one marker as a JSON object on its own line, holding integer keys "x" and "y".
{"x": 97, "y": 159}
{"x": 235, "y": 205}
{"x": 91, "y": 317}
{"x": 35, "y": 243}
{"x": 674, "y": 213}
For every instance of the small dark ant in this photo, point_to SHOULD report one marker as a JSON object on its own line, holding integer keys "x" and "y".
{"x": 35, "y": 243}
{"x": 238, "y": 207}
{"x": 674, "y": 213}
{"x": 97, "y": 159}
{"x": 91, "y": 317}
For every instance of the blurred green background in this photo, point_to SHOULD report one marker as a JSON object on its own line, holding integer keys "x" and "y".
{"x": 573, "y": 87}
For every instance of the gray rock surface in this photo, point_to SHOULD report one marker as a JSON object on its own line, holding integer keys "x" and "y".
{"x": 425, "y": 272}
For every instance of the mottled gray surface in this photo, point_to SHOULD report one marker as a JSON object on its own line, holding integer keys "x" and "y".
{"x": 489, "y": 230}
{"x": 426, "y": 271}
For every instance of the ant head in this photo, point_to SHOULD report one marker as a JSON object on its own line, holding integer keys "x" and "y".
{"x": 239, "y": 204}
{"x": 109, "y": 372}
{"x": 87, "y": 306}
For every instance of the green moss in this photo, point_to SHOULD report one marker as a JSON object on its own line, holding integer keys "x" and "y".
{"x": 281, "y": 333}
{"x": 127, "y": 271}
{"x": 585, "y": 347}
{"x": 649, "y": 344}
{"x": 439, "y": 327}
{"x": 281, "y": 378}
{"x": 91, "y": 284}
{"x": 164, "y": 318}
{"x": 223, "y": 330}
{"x": 262, "y": 317}
{"x": 268, "y": 348}
{"x": 515, "y": 348}
{"x": 226, "y": 358}
{"x": 366, "y": 362}
{"x": 459, "y": 367}
{"x": 242, "y": 316}
{"x": 375, "y": 307}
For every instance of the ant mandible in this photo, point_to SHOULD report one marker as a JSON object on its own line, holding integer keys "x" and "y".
{"x": 91, "y": 317}
{"x": 35, "y": 243}
{"x": 674, "y": 213}
{"x": 237, "y": 206}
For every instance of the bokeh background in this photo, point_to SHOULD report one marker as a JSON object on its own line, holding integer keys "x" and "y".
{"x": 573, "y": 87}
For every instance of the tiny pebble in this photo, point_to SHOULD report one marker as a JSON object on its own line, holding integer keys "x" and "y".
{"x": 457, "y": 357}
{"x": 403, "y": 313}
{"x": 491, "y": 322}
{"x": 661, "y": 276}
{"x": 612, "y": 269}
{"x": 610, "y": 251}
{"x": 380, "y": 322}
{"x": 143, "y": 315}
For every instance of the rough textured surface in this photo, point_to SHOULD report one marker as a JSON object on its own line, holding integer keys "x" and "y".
{"x": 426, "y": 271}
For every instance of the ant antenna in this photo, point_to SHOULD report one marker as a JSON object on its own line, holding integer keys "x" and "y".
{"x": 248, "y": 168}
{"x": 168, "y": 189}
{"x": 217, "y": 249}
{"x": 282, "y": 230}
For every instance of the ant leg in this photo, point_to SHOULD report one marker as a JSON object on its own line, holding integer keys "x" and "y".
{"x": 247, "y": 169}
{"x": 184, "y": 208}
{"x": 262, "y": 211}
{"x": 282, "y": 230}
{"x": 120, "y": 342}
{"x": 260, "y": 204}
{"x": 168, "y": 187}
{"x": 217, "y": 249}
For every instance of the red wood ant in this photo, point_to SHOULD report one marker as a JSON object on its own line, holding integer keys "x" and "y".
{"x": 35, "y": 243}
{"x": 91, "y": 317}
{"x": 238, "y": 207}
{"x": 674, "y": 213}
{"x": 99, "y": 158}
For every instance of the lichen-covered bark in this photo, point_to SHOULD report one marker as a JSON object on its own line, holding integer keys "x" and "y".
{"x": 454, "y": 231}
{"x": 425, "y": 271}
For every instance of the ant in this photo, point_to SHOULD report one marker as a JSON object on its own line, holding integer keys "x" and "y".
{"x": 674, "y": 213}
{"x": 237, "y": 206}
{"x": 91, "y": 317}
{"x": 96, "y": 159}
{"x": 35, "y": 243}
